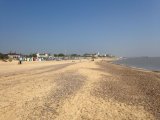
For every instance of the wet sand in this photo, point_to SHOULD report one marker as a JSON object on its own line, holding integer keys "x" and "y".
{"x": 80, "y": 90}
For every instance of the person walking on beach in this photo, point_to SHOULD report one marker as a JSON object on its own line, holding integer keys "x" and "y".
{"x": 20, "y": 61}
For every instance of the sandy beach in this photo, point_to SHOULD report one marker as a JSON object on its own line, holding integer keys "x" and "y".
{"x": 77, "y": 90}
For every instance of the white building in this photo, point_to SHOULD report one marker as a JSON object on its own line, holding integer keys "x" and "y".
{"x": 41, "y": 57}
{"x": 14, "y": 55}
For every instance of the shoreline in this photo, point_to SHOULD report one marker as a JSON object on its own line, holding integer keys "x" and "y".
{"x": 136, "y": 68}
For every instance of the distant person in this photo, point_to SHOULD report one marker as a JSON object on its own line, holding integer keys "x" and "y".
{"x": 20, "y": 61}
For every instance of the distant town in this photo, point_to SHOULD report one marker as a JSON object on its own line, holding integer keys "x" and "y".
{"x": 49, "y": 57}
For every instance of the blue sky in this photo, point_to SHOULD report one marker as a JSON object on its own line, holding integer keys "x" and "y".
{"x": 119, "y": 27}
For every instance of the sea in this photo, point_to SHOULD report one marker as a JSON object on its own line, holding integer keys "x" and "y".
{"x": 149, "y": 63}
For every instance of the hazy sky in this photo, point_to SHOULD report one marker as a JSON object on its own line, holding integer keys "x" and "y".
{"x": 120, "y": 27}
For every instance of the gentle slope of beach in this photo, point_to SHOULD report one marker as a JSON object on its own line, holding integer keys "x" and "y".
{"x": 77, "y": 90}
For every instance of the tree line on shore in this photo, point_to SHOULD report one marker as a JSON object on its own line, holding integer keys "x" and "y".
{"x": 5, "y": 57}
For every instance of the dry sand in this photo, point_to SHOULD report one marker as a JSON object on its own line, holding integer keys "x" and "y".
{"x": 80, "y": 90}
